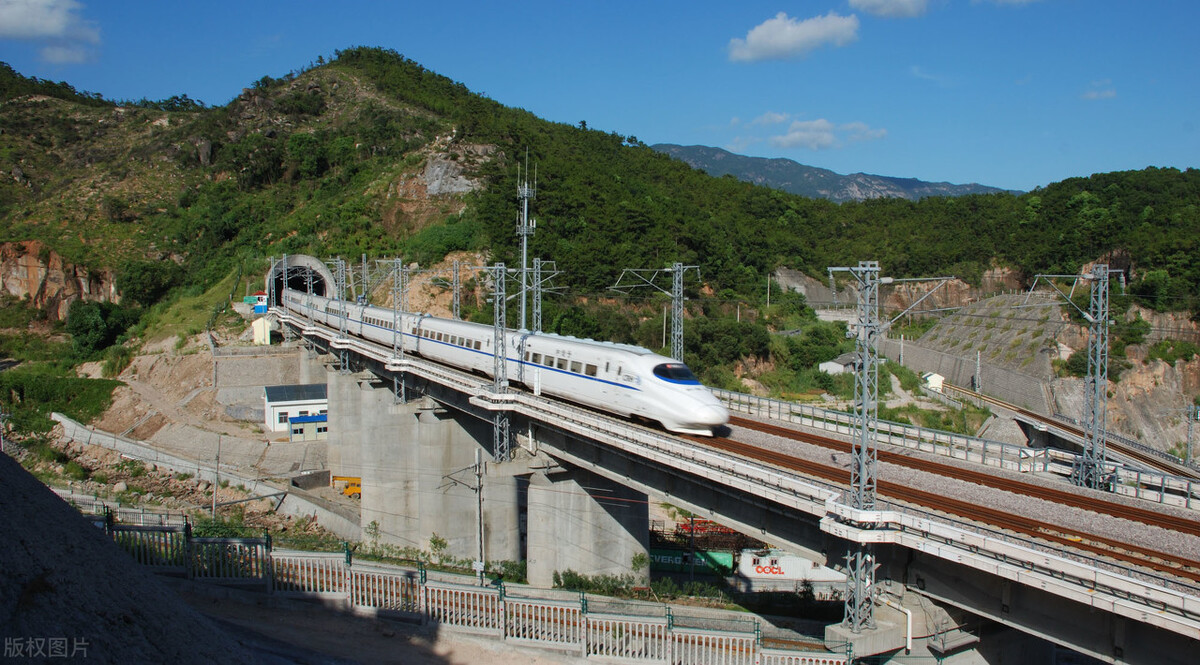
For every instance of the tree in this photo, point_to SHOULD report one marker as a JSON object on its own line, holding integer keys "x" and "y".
{"x": 146, "y": 282}
{"x": 94, "y": 326}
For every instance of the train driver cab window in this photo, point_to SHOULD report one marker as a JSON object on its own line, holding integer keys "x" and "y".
{"x": 675, "y": 373}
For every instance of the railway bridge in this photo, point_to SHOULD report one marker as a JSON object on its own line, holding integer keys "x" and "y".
{"x": 572, "y": 492}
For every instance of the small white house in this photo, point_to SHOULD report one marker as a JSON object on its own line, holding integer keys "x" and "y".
{"x": 933, "y": 381}
{"x": 840, "y": 365}
{"x": 282, "y": 403}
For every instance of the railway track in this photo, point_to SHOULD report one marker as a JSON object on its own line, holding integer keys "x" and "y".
{"x": 1099, "y": 546}
{"x": 1153, "y": 461}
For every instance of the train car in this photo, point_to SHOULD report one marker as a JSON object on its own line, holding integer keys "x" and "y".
{"x": 621, "y": 379}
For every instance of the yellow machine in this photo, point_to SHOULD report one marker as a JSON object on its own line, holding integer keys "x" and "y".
{"x": 353, "y": 488}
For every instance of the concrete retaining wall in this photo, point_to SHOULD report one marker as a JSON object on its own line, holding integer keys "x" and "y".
{"x": 1013, "y": 387}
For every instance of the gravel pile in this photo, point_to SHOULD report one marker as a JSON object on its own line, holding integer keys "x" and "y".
{"x": 67, "y": 592}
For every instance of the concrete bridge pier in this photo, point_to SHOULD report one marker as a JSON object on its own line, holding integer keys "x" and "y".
{"x": 580, "y": 521}
{"x": 417, "y": 462}
{"x": 424, "y": 482}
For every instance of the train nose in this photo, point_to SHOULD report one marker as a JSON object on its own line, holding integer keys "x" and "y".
{"x": 713, "y": 415}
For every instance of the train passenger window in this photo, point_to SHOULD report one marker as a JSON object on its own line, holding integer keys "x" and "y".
{"x": 756, "y": 561}
{"x": 536, "y": 358}
{"x": 476, "y": 345}
{"x": 774, "y": 562}
{"x": 576, "y": 366}
{"x": 590, "y": 370}
{"x": 562, "y": 363}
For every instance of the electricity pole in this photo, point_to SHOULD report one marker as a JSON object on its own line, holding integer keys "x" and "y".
{"x": 676, "y": 292}
{"x": 1091, "y": 467}
{"x": 860, "y": 561}
{"x": 500, "y": 436}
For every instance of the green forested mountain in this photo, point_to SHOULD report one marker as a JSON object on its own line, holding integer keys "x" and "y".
{"x": 327, "y": 161}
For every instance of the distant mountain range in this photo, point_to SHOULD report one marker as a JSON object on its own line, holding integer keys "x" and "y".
{"x": 796, "y": 178}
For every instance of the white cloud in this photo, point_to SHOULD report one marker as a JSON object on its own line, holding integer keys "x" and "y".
{"x": 65, "y": 55}
{"x": 811, "y": 134}
{"x": 821, "y": 134}
{"x": 56, "y": 23}
{"x": 892, "y": 8}
{"x": 771, "y": 118}
{"x": 782, "y": 37}
{"x": 1102, "y": 89}
{"x": 861, "y": 131}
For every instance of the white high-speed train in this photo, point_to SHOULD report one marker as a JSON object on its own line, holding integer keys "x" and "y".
{"x": 621, "y": 379}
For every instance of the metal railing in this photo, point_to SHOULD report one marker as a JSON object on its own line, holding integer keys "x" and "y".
{"x": 406, "y": 591}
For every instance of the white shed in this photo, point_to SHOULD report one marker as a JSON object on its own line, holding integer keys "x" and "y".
{"x": 933, "y": 381}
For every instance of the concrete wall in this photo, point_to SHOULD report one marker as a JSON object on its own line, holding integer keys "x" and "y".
{"x": 1014, "y": 387}
{"x": 583, "y": 522}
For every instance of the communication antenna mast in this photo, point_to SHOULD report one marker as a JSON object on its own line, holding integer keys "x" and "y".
{"x": 1091, "y": 468}
{"x": 640, "y": 278}
{"x": 525, "y": 226}
{"x": 860, "y": 561}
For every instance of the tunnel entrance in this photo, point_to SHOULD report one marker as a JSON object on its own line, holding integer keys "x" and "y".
{"x": 300, "y": 273}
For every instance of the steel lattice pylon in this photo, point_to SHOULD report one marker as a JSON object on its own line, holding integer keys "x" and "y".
{"x": 537, "y": 296}
{"x": 860, "y": 560}
{"x": 676, "y": 293}
{"x": 677, "y": 311}
{"x": 1091, "y": 469}
{"x": 500, "y": 434}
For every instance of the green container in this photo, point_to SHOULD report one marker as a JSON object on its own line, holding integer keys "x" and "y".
{"x": 678, "y": 561}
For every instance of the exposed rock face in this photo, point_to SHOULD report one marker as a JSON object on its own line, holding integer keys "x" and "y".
{"x": 445, "y": 176}
{"x": 28, "y": 269}
{"x": 1149, "y": 404}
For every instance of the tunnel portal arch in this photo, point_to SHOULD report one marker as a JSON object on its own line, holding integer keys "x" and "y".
{"x": 295, "y": 272}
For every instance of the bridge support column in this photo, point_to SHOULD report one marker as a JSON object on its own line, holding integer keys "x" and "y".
{"x": 419, "y": 479}
{"x": 581, "y": 521}
{"x": 350, "y": 397}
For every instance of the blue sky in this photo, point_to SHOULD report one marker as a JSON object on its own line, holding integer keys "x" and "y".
{"x": 1008, "y": 93}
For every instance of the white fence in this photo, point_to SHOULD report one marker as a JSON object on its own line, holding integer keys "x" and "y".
{"x": 407, "y": 593}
